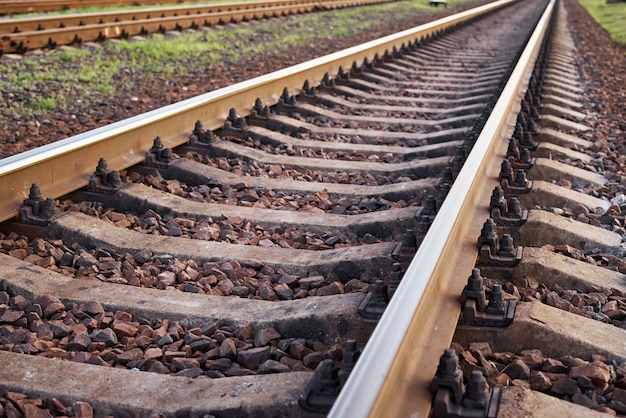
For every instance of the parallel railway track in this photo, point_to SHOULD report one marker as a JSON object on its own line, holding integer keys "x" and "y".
{"x": 301, "y": 203}
{"x": 9, "y": 7}
{"x": 21, "y": 35}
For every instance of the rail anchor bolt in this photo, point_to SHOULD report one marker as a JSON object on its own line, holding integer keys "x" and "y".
{"x": 374, "y": 304}
{"x": 320, "y": 393}
{"x": 103, "y": 180}
{"x": 453, "y": 400}
{"x": 36, "y": 210}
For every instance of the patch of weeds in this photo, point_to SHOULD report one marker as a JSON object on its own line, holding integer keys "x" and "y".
{"x": 46, "y": 104}
{"x": 32, "y": 64}
{"x": 106, "y": 89}
{"x": 70, "y": 55}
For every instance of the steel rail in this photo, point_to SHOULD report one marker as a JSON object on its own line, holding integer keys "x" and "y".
{"x": 36, "y": 39}
{"x": 80, "y": 19}
{"x": 64, "y": 166}
{"x": 393, "y": 375}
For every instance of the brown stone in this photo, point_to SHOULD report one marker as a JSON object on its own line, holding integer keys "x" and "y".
{"x": 573, "y": 361}
{"x": 265, "y": 336}
{"x": 219, "y": 364}
{"x": 289, "y": 280}
{"x": 283, "y": 291}
{"x": 225, "y": 286}
{"x": 266, "y": 292}
{"x": 564, "y": 387}
{"x": 298, "y": 349}
{"x": 489, "y": 368}
{"x": 533, "y": 358}
{"x": 58, "y": 407}
{"x": 311, "y": 360}
{"x": 98, "y": 361}
{"x": 106, "y": 336}
{"x": 53, "y": 309}
{"x": 228, "y": 349}
{"x": 504, "y": 357}
{"x": 236, "y": 370}
{"x": 132, "y": 354}
{"x": 190, "y": 373}
{"x": 125, "y": 329}
{"x": 517, "y": 369}
{"x": 273, "y": 366}
{"x": 82, "y": 357}
{"x": 158, "y": 367}
{"x": 481, "y": 347}
{"x": 553, "y": 299}
{"x": 312, "y": 282}
{"x": 169, "y": 355}
{"x": 539, "y": 381}
{"x": 553, "y": 366}
{"x": 80, "y": 342}
{"x": 185, "y": 363}
{"x": 251, "y": 358}
{"x": 153, "y": 353}
{"x": 166, "y": 278}
{"x": 82, "y": 410}
{"x": 335, "y": 288}
{"x": 9, "y": 316}
{"x": 598, "y": 372}
{"x": 356, "y": 285}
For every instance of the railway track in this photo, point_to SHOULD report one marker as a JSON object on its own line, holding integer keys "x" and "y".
{"x": 249, "y": 249}
{"x": 9, "y": 7}
{"x": 21, "y": 35}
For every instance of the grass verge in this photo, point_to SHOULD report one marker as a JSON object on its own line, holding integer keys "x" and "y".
{"x": 611, "y": 16}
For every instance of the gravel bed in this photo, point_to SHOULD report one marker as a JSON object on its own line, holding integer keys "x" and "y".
{"x": 89, "y": 334}
{"x": 233, "y": 230}
{"x": 601, "y": 304}
{"x": 323, "y": 122}
{"x": 250, "y": 279}
{"x": 595, "y": 382}
{"x": 17, "y": 404}
{"x": 379, "y": 113}
{"x": 246, "y": 167}
{"x": 352, "y": 155}
{"x": 243, "y": 195}
{"x": 345, "y": 139}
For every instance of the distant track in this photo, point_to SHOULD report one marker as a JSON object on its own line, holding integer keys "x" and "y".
{"x": 21, "y": 35}
{"x": 8, "y": 7}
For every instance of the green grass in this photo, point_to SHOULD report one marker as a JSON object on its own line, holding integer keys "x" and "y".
{"x": 47, "y": 103}
{"x": 612, "y": 17}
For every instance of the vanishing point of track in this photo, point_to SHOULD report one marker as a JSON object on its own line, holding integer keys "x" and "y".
{"x": 23, "y": 34}
{"x": 359, "y": 160}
